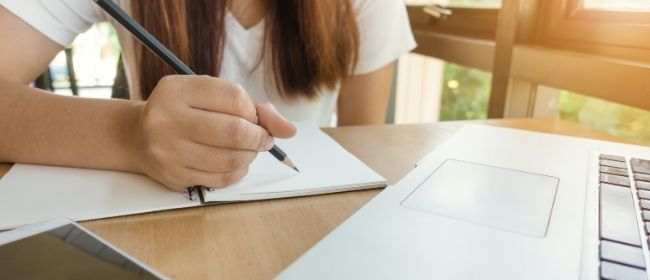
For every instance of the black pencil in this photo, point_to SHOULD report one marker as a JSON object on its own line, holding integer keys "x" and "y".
{"x": 166, "y": 55}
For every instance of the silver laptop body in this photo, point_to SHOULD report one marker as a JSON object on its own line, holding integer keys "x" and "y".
{"x": 497, "y": 203}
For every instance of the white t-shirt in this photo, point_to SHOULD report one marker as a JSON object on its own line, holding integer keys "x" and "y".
{"x": 384, "y": 30}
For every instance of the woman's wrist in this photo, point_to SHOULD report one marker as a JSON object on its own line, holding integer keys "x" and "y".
{"x": 133, "y": 138}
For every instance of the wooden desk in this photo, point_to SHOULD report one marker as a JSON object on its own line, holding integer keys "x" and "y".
{"x": 256, "y": 240}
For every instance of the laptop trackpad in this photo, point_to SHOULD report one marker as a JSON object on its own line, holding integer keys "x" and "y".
{"x": 496, "y": 197}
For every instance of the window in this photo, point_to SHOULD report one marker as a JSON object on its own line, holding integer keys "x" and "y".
{"x": 430, "y": 89}
{"x": 453, "y": 88}
{"x": 624, "y": 121}
{"x": 94, "y": 58}
{"x": 597, "y": 47}
{"x": 458, "y": 3}
{"x": 475, "y": 3}
{"x": 618, "y": 5}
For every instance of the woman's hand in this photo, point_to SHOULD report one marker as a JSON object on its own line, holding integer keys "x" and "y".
{"x": 200, "y": 130}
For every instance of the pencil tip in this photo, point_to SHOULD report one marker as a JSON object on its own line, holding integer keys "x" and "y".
{"x": 290, "y": 164}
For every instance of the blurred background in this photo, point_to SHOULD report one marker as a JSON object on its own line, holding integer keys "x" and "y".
{"x": 445, "y": 79}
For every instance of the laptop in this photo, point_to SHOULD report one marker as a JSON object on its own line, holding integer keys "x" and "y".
{"x": 499, "y": 203}
{"x": 62, "y": 249}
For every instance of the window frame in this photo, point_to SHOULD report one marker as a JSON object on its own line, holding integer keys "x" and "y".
{"x": 567, "y": 24}
{"x": 467, "y": 37}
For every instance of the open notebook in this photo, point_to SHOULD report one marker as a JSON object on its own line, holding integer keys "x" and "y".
{"x": 33, "y": 193}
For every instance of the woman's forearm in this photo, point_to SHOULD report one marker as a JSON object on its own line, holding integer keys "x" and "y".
{"x": 43, "y": 128}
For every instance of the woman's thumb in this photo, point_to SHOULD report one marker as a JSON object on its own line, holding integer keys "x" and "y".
{"x": 273, "y": 122}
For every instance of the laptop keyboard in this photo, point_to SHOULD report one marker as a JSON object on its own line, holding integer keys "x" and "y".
{"x": 621, "y": 249}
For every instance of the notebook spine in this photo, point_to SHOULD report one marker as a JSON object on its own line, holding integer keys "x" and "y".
{"x": 193, "y": 193}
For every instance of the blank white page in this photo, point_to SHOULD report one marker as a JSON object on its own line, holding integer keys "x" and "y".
{"x": 34, "y": 193}
{"x": 324, "y": 165}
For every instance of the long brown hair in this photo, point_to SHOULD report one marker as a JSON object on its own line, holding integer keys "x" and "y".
{"x": 310, "y": 43}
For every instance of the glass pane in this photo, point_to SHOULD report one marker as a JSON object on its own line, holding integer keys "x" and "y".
{"x": 461, "y": 3}
{"x": 476, "y": 3}
{"x": 625, "y": 5}
{"x": 430, "y": 89}
{"x": 94, "y": 56}
{"x": 465, "y": 93}
{"x": 624, "y": 121}
{"x": 59, "y": 72}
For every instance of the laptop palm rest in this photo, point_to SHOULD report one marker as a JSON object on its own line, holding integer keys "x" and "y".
{"x": 496, "y": 197}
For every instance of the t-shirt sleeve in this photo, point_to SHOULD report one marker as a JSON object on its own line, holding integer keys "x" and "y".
{"x": 59, "y": 20}
{"x": 384, "y": 31}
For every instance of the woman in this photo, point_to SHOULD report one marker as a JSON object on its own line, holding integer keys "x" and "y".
{"x": 304, "y": 57}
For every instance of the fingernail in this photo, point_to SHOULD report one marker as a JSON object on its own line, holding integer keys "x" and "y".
{"x": 269, "y": 144}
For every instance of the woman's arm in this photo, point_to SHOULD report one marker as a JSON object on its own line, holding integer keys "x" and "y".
{"x": 194, "y": 130}
{"x": 38, "y": 127}
{"x": 364, "y": 98}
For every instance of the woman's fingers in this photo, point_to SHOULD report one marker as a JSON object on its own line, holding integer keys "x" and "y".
{"x": 226, "y": 131}
{"x": 214, "y": 180}
{"x": 274, "y": 122}
{"x": 215, "y": 95}
{"x": 210, "y": 159}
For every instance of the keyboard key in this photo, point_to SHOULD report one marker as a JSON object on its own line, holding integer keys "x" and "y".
{"x": 645, "y": 204}
{"x": 646, "y": 215}
{"x": 643, "y": 194}
{"x": 611, "y": 157}
{"x": 611, "y": 163}
{"x": 642, "y": 177}
{"x": 617, "y": 215}
{"x": 613, "y": 170}
{"x": 609, "y": 270}
{"x": 640, "y": 165}
{"x": 643, "y": 185}
{"x": 622, "y": 253}
{"x": 647, "y": 227}
{"x": 614, "y": 179}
